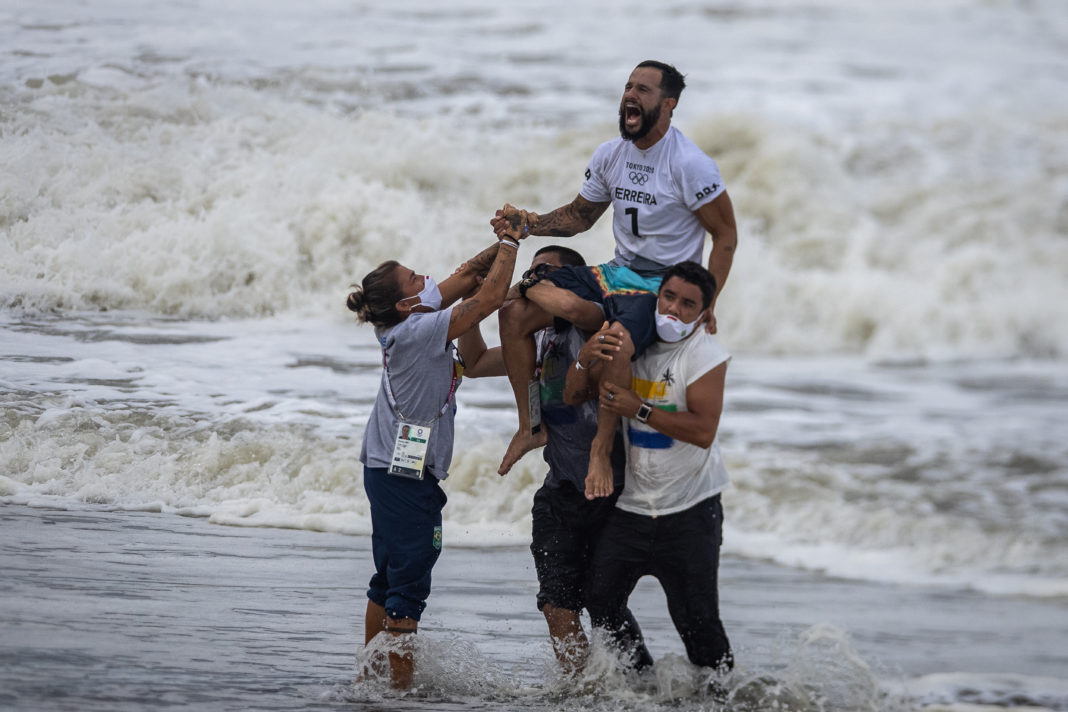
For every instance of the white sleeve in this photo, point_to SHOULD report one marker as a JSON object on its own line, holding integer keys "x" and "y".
{"x": 705, "y": 356}
{"x": 595, "y": 188}
{"x": 700, "y": 180}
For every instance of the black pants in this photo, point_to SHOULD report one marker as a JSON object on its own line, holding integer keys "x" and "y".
{"x": 682, "y": 552}
{"x": 565, "y": 526}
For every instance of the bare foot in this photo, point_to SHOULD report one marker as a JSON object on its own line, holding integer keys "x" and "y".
{"x": 598, "y": 477}
{"x": 402, "y": 670}
{"x": 374, "y": 667}
{"x": 521, "y": 444}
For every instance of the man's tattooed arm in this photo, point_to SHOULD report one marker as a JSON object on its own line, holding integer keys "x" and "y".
{"x": 577, "y": 216}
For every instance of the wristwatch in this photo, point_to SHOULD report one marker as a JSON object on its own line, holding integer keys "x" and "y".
{"x": 644, "y": 411}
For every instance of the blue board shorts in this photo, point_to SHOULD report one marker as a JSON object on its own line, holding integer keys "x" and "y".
{"x": 405, "y": 539}
{"x": 627, "y": 297}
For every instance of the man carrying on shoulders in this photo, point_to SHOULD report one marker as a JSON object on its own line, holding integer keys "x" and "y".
{"x": 668, "y": 521}
{"x": 564, "y": 522}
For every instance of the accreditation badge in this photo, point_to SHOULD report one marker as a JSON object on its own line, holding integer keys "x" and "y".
{"x": 409, "y": 450}
{"x": 534, "y": 405}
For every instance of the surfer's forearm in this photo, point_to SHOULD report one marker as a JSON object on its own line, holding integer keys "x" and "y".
{"x": 577, "y": 216}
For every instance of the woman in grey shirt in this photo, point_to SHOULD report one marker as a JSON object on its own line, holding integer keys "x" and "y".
{"x": 407, "y": 446}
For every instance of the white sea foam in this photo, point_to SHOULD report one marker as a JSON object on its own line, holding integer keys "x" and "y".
{"x": 259, "y": 423}
{"x": 900, "y": 181}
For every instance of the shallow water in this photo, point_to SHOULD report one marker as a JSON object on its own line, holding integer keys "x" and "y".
{"x": 111, "y": 610}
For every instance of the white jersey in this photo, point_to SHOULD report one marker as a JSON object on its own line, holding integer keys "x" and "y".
{"x": 664, "y": 475}
{"x": 654, "y": 195}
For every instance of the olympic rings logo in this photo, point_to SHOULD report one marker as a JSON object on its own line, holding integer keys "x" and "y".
{"x": 638, "y": 178}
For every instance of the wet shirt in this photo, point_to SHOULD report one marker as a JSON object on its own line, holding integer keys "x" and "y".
{"x": 570, "y": 429}
{"x": 654, "y": 194}
{"x": 664, "y": 475}
{"x": 421, "y": 364}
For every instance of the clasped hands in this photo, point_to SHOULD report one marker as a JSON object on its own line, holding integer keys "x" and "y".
{"x": 512, "y": 222}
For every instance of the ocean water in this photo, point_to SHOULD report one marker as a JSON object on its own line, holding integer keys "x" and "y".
{"x": 188, "y": 191}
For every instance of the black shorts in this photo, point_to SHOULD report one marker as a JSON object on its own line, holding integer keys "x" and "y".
{"x": 624, "y": 294}
{"x": 564, "y": 527}
{"x": 682, "y": 552}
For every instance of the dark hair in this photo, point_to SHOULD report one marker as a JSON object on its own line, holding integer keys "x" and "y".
{"x": 376, "y": 300}
{"x": 671, "y": 80}
{"x": 568, "y": 257}
{"x": 693, "y": 273}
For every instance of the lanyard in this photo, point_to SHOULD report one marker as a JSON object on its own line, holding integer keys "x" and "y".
{"x": 393, "y": 399}
{"x": 544, "y": 350}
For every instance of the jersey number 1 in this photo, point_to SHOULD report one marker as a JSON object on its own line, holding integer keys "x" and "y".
{"x": 633, "y": 213}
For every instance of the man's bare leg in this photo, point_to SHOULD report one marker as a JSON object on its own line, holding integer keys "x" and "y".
{"x": 618, "y": 371}
{"x": 569, "y": 640}
{"x": 519, "y": 320}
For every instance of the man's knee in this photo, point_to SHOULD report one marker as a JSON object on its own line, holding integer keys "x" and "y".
{"x": 519, "y": 317}
{"x": 626, "y": 344}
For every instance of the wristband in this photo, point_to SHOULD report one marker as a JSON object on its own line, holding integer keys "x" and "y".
{"x": 504, "y": 241}
{"x": 579, "y": 366}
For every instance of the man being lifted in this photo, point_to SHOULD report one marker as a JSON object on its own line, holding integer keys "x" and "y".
{"x": 665, "y": 195}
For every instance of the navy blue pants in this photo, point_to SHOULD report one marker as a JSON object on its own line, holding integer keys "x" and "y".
{"x": 405, "y": 539}
{"x": 682, "y": 552}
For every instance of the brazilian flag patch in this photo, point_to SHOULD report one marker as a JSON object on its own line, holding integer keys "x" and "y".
{"x": 437, "y": 538}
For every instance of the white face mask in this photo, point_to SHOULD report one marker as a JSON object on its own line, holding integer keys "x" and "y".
{"x": 671, "y": 329}
{"x": 430, "y": 296}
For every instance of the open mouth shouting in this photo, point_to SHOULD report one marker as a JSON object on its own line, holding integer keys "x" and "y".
{"x": 634, "y": 121}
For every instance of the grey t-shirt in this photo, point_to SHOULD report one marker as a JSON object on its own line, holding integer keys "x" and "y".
{"x": 421, "y": 365}
{"x": 570, "y": 429}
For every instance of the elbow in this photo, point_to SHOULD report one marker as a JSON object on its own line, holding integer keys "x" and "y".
{"x": 703, "y": 440}
{"x": 473, "y": 370}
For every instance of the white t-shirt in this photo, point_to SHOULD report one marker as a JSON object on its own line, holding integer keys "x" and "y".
{"x": 664, "y": 475}
{"x": 654, "y": 194}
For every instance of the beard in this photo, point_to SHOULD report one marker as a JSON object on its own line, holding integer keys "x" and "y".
{"x": 649, "y": 120}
